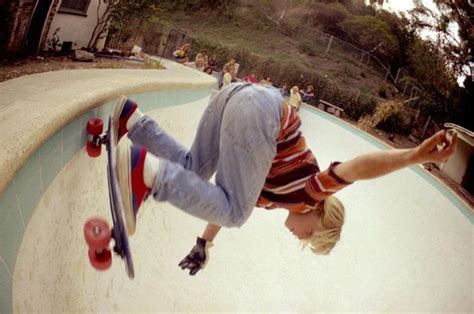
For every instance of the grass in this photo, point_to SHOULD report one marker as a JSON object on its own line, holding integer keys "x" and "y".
{"x": 339, "y": 64}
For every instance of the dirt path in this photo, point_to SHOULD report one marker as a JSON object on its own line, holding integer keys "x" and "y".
{"x": 13, "y": 69}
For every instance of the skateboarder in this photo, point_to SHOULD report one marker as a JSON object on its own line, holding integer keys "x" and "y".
{"x": 249, "y": 136}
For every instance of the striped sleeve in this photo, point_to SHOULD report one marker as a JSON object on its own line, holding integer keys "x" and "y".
{"x": 324, "y": 184}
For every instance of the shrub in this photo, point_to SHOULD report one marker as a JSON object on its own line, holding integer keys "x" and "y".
{"x": 307, "y": 47}
{"x": 383, "y": 91}
{"x": 356, "y": 109}
{"x": 368, "y": 32}
{"x": 390, "y": 117}
{"x": 330, "y": 16}
{"x": 399, "y": 122}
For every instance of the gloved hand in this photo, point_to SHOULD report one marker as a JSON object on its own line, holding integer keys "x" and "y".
{"x": 198, "y": 257}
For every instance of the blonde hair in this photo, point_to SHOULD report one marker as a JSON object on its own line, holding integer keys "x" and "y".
{"x": 332, "y": 219}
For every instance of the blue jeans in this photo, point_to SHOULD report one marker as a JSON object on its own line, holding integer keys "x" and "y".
{"x": 236, "y": 137}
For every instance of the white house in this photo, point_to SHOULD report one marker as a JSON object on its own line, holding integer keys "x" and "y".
{"x": 75, "y": 20}
{"x": 32, "y": 23}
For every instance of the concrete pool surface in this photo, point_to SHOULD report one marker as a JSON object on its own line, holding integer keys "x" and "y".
{"x": 405, "y": 245}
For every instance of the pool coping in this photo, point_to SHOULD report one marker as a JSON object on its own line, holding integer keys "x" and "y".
{"x": 34, "y": 107}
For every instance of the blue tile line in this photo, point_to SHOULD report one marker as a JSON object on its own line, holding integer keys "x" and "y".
{"x": 453, "y": 198}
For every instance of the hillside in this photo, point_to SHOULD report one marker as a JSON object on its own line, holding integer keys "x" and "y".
{"x": 340, "y": 66}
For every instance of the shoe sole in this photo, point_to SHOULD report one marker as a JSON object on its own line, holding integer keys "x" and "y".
{"x": 124, "y": 165}
{"x": 116, "y": 117}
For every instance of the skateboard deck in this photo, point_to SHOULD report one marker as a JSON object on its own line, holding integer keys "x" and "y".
{"x": 95, "y": 230}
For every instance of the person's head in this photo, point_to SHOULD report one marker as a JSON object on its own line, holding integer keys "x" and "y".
{"x": 321, "y": 228}
{"x": 284, "y": 86}
{"x": 310, "y": 88}
{"x": 213, "y": 60}
{"x": 231, "y": 69}
{"x": 295, "y": 89}
{"x": 199, "y": 62}
{"x": 198, "y": 57}
{"x": 268, "y": 79}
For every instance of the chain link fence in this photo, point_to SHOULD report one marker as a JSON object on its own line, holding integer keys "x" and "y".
{"x": 327, "y": 45}
{"x": 153, "y": 38}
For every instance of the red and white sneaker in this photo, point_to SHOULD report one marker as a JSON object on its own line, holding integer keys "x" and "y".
{"x": 130, "y": 165}
{"x": 124, "y": 108}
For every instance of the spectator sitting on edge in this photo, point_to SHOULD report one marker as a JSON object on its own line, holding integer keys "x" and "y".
{"x": 295, "y": 98}
{"x": 308, "y": 94}
{"x": 284, "y": 90}
{"x": 180, "y": 55}
{"x": 252, "y": 78}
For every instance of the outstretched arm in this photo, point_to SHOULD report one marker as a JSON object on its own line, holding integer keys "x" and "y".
{"x": 210, "y": 232}
{"x": 437, "y": 148}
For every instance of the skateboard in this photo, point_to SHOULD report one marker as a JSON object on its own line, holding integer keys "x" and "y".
{"x": 97, "y": 232}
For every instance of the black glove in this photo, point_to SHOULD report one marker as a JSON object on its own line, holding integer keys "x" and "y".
{"x": 198, "y": 257}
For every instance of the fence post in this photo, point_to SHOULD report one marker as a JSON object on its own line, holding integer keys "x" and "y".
{"x": 398, "y": 74}
{"x": 388, "y": 72}
{"x": 425, "y": 128}
{"x": 361, "y": 58}
{"x": 329, "y": 45}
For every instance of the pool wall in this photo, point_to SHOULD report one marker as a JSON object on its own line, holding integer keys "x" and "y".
{"x": 27, "y": 170}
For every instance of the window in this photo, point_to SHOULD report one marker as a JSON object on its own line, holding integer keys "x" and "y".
{"x": 74, "y": 6}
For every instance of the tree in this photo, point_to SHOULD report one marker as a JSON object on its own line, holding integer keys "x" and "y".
{"x": 372, "y": 34}
{"x": 273, "y": 10}
{"x": 452, "y": 22}
{"x": 109, "y": 10}
{"x": 330, "y": 17}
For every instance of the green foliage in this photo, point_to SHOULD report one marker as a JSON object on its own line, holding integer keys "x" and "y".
{"x": 153, "y": 64}
{"x": 308, "y": 48}
{"x": 383, "y": 91}
{"x": 357, "y": 108}
{"x": 330, "y": 16}
{"x": 390, "y": 117}
{"x": 225, "y": 7}
{"x": 371, "y": 34}
{"x": 436, "y": 80}
{"x": 54, "y": 42}
{"x": 457, "y": 43}
{"x": 399, "y": 122}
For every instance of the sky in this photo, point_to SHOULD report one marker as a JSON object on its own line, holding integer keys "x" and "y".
{"x": 399, "y": 5}
{"x": 406, "y": 5}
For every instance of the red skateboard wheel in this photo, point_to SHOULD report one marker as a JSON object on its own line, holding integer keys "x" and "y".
{"x": 100, "y": 261}
{"x": 95, "y": 126}
{"x": 97, "y": 233}
{"x": 93, "y": 150}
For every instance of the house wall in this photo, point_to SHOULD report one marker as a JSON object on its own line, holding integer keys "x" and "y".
{"x": 75, "y": 28}
{"x": 456, "y": 166}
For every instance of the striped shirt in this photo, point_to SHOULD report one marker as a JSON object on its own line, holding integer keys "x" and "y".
{"x": 294, "y": 181}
